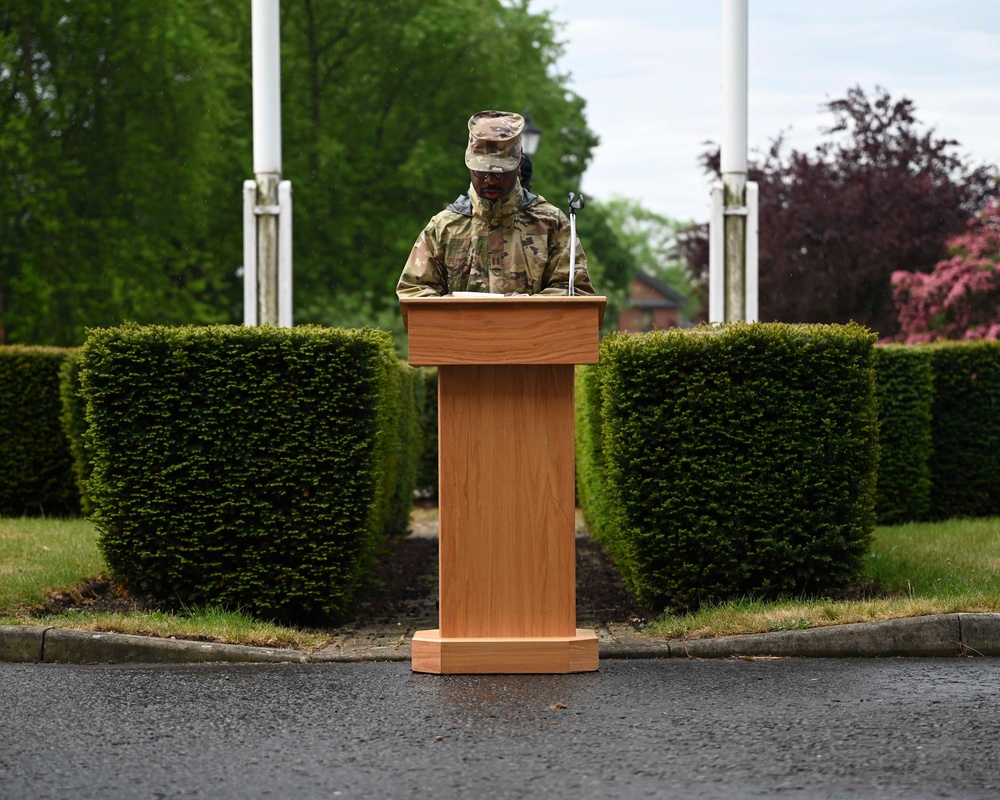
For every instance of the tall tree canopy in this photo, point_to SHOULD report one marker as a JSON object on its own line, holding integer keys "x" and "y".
{"x": 112, "y": 124}
{"x": 126, "y": 129}
{"x": 376, "y": 99}
{"x": 877, "y": 196}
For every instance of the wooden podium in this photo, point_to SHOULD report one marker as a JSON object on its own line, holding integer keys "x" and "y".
{"x": 506, "y": 479}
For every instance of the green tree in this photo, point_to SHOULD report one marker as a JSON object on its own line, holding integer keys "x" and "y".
{"x": 879, "y": 194}
{"x": 611, "y": 263}
{"x": 653, "y": 240}
{"x": 127, "y": 125}
{"x": 375, "y": 102}
{"x": 110, "y": 122}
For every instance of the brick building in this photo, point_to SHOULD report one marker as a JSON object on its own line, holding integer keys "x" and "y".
{"x": 651, "y": 305}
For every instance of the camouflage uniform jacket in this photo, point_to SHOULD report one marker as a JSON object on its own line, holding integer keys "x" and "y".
{"x": 519, "y": 244}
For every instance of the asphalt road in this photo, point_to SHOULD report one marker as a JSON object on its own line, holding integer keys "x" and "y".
{"x": 791, "y": 728}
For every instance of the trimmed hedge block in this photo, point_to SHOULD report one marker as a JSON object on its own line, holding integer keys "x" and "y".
{"x": 74, "y": 423}
{"x": 427, "y": 470}
{"x": 590, "y": 473}
{"x": 965, "y": 464}
{"x": 739, "y": 460}
{"x": 407, "y": 441}
{"x": 36, "y": 469}
{"x": 904, "y": 385}
{"x": 244, "y": 467}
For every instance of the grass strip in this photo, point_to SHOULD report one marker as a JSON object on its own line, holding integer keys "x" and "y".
{"x": 201, "y": 624}
{"x": 918, "y": 569}
{"x": 915, "y": 570}
{"x": 40, "y": 554}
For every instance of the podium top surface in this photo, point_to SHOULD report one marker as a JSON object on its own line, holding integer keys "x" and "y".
{"x": 493, "y": 329}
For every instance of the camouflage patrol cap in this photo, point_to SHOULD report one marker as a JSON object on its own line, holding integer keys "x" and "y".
{"x": 494, "y": 141}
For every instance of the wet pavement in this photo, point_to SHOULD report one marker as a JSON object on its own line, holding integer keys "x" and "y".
{"x": 735, "y": 728}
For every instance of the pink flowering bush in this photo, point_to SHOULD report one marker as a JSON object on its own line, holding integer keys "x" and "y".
{"x": 960, "y": 298}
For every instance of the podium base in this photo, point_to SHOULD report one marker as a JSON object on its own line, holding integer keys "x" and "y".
{"x": 432, "y": 653}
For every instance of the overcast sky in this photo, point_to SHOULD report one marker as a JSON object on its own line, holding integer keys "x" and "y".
{"x": 651, "y": 73}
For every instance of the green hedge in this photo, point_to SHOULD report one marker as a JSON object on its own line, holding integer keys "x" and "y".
{"x": 590, "y": 474}
{"x": 427, "y": 471}
{"x": 74, "y": 423}
{"x": 405, "y": 448}
{"x": 244, "y": 467}
{"x": 738, "y": 460}
{"x": 36, "y": 469}
{"x": 965, "y": 464}
{"x": 904, "y": 385}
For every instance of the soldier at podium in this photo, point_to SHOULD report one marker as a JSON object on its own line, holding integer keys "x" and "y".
{"x": 499, "y": 238}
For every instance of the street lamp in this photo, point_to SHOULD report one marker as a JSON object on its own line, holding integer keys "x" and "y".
{"x": 530, "y": 136}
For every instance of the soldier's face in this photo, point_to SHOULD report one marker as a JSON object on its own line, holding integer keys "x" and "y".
{"x": 493, "y": 185}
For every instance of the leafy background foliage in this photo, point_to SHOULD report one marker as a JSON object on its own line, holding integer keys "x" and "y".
{"x": 113, "y": 131}
{"x": 878, "y": 195}
{"x": 126, "y": 125}
{"x": 126, "y": 129}
{"x": 960, "y": 297}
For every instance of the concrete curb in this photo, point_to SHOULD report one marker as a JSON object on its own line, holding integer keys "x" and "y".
{"x": 919, "y": 636}
{"x": 940, "y": 635}
{"x": 66, "y": 646}
{"x": 85, "y": 647}
{"x": 21, "y": 643}
{"x": 980, "y": 634}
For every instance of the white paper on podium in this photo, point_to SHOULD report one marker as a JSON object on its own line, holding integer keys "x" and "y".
{"x": 475, "y": 295}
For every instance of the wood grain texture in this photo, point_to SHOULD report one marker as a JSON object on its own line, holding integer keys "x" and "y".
{"x": 506, "y": 483}
{"x": 506, "y": 480}
{"x": 503, "y": 330}
{"x": 435, "y": 654}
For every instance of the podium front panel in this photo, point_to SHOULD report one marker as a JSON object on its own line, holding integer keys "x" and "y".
{"x": 507, "y": 512}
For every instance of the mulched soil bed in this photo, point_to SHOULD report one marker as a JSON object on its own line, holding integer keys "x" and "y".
{"x": 403, "y": 593}
{"x": 405, "y": 589}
